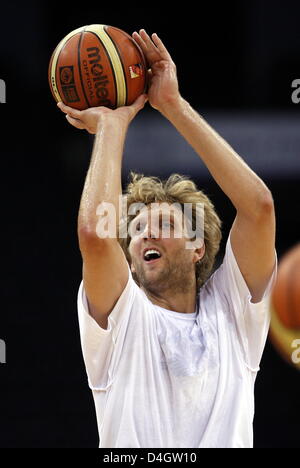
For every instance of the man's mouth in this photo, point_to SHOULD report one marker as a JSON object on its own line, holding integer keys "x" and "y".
{"x": 151, "y": 255}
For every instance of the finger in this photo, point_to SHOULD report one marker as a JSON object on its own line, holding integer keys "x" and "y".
{"x": 148, "y": 41}
{"x": 140, "y": 102}
{"x": 75, "y": 122}
{"x": 140, "y": 41}
{"x": 145, "y": 36}
{"x": 161, "y": 47}
{"x": 138, "y": 105}
{"x": 145, "y": 49}
{"x": 69, "y": 110}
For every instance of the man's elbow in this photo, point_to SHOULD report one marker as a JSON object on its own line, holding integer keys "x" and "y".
{"x": 267, "y": 203}
{"x": 88, "y": 238}
{"x": 265, "y": 208}
{"x": 92, "y": 239}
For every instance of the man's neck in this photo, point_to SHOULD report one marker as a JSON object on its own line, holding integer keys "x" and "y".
{"x": 183, "y": 303}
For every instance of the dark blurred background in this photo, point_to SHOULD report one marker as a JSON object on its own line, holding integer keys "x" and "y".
{"x": 236, "y": 63}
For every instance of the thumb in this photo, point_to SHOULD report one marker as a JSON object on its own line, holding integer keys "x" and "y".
{"x": 140, "y": 102}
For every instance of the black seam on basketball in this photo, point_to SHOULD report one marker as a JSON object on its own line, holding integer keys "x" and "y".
{"x": 120, "y": 57}
{"x": 111, "y": 66}
{"x": 79, "y": 68}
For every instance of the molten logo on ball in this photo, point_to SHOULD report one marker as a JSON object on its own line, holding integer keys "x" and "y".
{"x": 100, "y": 80}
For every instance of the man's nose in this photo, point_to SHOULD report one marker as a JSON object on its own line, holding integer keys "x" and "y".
{"x": 151, "y": 232}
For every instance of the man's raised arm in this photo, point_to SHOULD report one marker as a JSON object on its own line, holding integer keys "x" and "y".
{"x": 105, "y": 270}
{"x": 253, "y": 231}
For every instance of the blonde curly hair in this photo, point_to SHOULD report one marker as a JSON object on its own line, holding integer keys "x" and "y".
{"x": 176, "y": 189}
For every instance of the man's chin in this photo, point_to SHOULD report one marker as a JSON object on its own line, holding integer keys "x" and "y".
{"x": 153, "y": 279}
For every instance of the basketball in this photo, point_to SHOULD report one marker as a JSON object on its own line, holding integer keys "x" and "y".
{"x": 285, "y": 307}
{"x": 286, "y": 294}
{"x": 97, "y": 65}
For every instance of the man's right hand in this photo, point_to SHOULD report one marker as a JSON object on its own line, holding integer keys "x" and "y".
{"x": 91, "y": 119}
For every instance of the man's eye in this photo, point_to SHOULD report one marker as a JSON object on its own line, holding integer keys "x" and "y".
{"x": 136, "y": 228}
{"x": 140, "y": 226}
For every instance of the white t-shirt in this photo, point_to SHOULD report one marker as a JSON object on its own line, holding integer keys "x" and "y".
{"x": 163, "y": 379}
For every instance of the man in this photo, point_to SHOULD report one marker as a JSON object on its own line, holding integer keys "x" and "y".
{"x": 169, "y": 364}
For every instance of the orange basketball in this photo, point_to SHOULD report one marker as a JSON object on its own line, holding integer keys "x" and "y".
{"x": 286, "y": 294}
{"x": 97, "y": 65}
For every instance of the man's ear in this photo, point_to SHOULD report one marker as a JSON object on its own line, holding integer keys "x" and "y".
{"x": 199, "y": 253}
{"x": 130, "y": 260}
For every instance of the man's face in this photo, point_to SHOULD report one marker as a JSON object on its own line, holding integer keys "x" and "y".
{"x": 172, "y": 266}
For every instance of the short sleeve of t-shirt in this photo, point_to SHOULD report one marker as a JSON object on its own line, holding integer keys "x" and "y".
{"x": 102, "y": 348}
{"x": 251, "y": 320}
